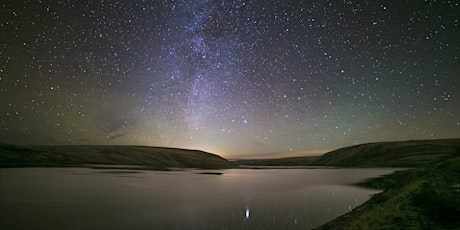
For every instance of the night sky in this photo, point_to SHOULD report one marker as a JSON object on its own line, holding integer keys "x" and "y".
{"x": 236, "y": 78}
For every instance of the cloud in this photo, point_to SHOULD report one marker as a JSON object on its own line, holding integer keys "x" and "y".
{"x": 115, "y": 125}
{"x": 111, "y": 124}
{"x": 115, "y": 135}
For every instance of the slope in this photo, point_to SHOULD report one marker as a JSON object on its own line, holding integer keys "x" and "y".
{"x": 153, "y": 157}
{"x": 415, "y": 153}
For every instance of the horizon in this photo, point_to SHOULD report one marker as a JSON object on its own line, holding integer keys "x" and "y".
{"x": 249, "y": 157}
{"x": 234, "y": 78}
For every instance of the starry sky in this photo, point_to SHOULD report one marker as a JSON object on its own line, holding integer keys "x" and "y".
{"x": 242, "y": 78}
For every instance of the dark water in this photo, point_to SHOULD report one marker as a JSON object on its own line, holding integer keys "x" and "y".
{"x": 82, "y": 198}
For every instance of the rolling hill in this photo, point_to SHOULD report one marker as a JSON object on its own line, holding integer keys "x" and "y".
{"x": 151, "y": 157}
{"x": 425, "y": 196}
{"x": 393, "y": 154}
{"x": 288, "y": 161}
{"x": 413, "y": 153}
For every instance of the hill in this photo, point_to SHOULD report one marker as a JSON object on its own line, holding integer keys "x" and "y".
{"x": 425, "y": 196}
{"x": 288, "y": 161}
{"x": 151, "y": 157}
{"x": 414, "y": 153}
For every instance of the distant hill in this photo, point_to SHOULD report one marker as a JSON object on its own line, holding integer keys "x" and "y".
{"x": 425, "y": 196}
{"x": 382, "y": 154}
{"x": 393, "y": 154}
{"x": 288, "y": 161}
{"x": 151, "y": 157}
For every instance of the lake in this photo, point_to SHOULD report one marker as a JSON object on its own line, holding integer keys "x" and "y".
{"x": 85, "y": 198}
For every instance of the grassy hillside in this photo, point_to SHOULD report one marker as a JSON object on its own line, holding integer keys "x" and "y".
{"x": 383, "y": 154}
{"x": 393, "y": 154}
{"x": 427, "y": 196}
{"x": 418, "y": 198}
{"x": 153, "y": 157}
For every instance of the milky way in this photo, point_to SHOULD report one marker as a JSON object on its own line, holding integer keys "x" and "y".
{"x": 236, "y": 78}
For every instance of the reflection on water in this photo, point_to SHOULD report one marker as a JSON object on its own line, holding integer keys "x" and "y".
{"x": 82, "y": 198}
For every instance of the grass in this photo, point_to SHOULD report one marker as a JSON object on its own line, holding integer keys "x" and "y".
{"x": 392, "y": 154}
{"x": 412, "y": 199}
{"x": 151, "y": 157}
{"x": 415, "y": 153}
{"x": 426, "y": 196}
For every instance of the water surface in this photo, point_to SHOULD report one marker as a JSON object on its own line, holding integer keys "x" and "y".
{"x": 83, "y": 198}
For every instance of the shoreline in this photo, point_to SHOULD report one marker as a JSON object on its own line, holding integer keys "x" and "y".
{"x": 419, "y": 198}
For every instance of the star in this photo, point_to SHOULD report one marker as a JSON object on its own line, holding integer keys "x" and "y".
{"x": 220, "y": 75}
